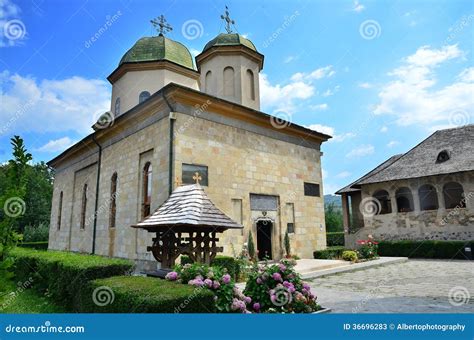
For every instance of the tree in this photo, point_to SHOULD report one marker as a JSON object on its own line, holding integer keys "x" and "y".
{"x": 251, "y": 247}
{"x": 333, "y": 217}
{"x": 287, "y": 244}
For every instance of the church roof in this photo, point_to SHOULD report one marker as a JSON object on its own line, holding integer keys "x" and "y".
{"x": 188, "y": 206}
{"x": 424, "y": 159}
{"x": 229, "y": 39}
{"x": 158, "y": 49}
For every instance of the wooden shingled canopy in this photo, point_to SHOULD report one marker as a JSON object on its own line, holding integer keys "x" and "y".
{"x": 186, "y": 223}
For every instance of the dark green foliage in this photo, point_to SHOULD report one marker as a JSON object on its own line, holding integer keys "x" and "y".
{"x": 136, "y": 294}
{"x": 251, "y": 247}
{"x": 425, "y": 249}
{"x": 185, "y": 259}
{"x": 42, "y": 245}
{"x": 287, "y": 244}
{"x": 333, "y": 217}
{"x": 62, "y": 275}
{"x": 329, "y": 253}
{"x": 37, "y": 233}
{"x": 335, "y": 239}
{"x": 227, "y": 262}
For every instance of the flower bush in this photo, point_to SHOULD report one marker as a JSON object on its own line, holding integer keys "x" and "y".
{"x": 228, "y": 298}
{"x": 278, "y": 288}
{"x": 368, "y": 249}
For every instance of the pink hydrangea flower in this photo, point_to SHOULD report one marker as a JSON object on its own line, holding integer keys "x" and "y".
{"x": 247, "y": 299}
{"x": 171, "y": 276}
{"x": 216, "y": 284}
{"x": 208, "y": 282}
{"x": 259, "y": 280}
{"x": 276, "y": 276}
{"x": 282, "y": 267}
{"x": 256, "y": 306}
{"x": 226, "y": 278}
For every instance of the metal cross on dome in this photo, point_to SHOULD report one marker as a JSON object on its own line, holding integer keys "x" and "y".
{"x": 228, "y": 20}
{"x": 197, "y": 177}
{"x": 161, "y": 25}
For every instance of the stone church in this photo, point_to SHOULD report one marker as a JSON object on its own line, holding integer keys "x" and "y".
{"x": 172, "y": 116}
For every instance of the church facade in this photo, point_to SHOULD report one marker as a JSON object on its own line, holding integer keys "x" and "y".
{"x": 169, "y": 120}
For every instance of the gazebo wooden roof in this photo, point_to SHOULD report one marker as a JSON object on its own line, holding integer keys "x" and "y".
{"x": 186, "y": 223}
{"x": 188, "y": 208}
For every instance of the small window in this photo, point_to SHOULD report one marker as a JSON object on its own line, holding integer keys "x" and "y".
{"x": 290, "y": 215}
{"x": 443, "y": 156}
{"x": 146, "y": 189}
{"x": 383, "y": 198}
{"x": 60, "y": 210}
{"x": 208, "y": 83}
{"x": 117, "y": 106}
{"x": 250, "y": 85}
{"x": 143, "y": 96}
{"x": 428, "y": 197}
{"x": 229, "y": 88}
{"x": 189, "y": 171}
{"x": 453, "y": 196}
{"x": 84, "y": 206}
{"x": 311, "y": 189}
{"x": 113, "y": 200}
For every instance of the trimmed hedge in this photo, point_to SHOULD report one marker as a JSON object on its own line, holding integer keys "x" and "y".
{"x": 329, "y": 253}
{"x": 222, "y": 261}
{"x": 137, "y": 294}
{"x": 334, "y": 239}
{"x": 41, "y": 245}
{"x": 62, "y": 275}
{"x": 425, "y": 249}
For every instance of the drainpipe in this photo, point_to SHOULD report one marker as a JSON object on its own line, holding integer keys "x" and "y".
{"x": 171, "y": 152}
{"x": 96, "y": 207}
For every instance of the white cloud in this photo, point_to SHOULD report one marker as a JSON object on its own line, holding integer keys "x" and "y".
{"x": 289, "y": 59}
{"x": 71, "y": 104}
{"x": 319, "y": 107}
{"x": 383, "y": 129}
{"x": 358, "y": 7}
{"x": 12, "y": 29}
{"x": 343, "y": 137}
{"x": 343, "y": 174}
{"x": 411, "y": 96}
{"x": 467, "y": 75}
{"x": 392, "y": 143}
{"x": 365, "y": 85}
{"x": 361, "y": 151}
{"x": 319, "y": 73}
{"x": 57, "y": 145}
{"x": 330, "y": 92}
{"x": 328, "y": 130}
{"x": 194, "y": 51}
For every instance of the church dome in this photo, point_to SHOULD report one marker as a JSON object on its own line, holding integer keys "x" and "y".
{"x": 158, "y": 49}
{"x": 229, "y": 39}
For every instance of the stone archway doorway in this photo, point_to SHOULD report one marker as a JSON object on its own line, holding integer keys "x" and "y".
{"x": 264, "y": 239}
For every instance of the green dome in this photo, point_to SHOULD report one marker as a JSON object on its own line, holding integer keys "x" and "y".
{"x": 229, "y": 39}
{"x": 156, "y": 49}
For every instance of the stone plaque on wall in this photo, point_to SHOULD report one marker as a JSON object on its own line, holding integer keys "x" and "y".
{"x": 263, "y": 202}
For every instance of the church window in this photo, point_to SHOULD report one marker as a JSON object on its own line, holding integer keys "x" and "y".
{"x": 250, "y": 85}
{"x": 453, "y": 196}
{"x": 428, "y": 197}
{"x": 404, "y": 200}
{"x": 229, "y": 90}
{"x": 84, "y": 206}
{"x": 189, "y": 171}
{"x": 117, "y": 107}
{"x": 147, "y": 182}
{"x": 113, "y": 201}
{"x": 311, "y": 189}
{"x": 60, "y": 209}
{"x": 443, "y": 156}
{"x": 384, "y": 202}
{"x": 143, "y": 96}
{"x": 208, "y": 82}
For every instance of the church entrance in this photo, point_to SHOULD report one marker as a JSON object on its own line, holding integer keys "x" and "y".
{"x": 264, "y": 239}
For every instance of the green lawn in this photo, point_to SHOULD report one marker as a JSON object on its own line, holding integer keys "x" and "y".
{"x": 13, "y": 300}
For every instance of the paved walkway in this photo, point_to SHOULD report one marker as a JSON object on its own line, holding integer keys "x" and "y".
{"x": 416, "y": 286}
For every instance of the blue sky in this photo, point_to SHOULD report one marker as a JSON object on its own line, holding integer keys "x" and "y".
{"x": 378, "y": 76}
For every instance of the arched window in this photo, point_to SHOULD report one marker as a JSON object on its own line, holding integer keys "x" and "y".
{"x": 453, "y": 196}
{"x": 428, "y": 197}
{"x": 229, "y": 90}
{"x": 404, "y": 199}
{"x": 147, "y": 181}
{"x": 443, "y": 156}
{"x": 250, "y": 85}
{"x": 143, "y": 96}
{"x": 208, "y": 82}
{"x": 117, "y": 106}
{"x": 113, "y": 200}
{"x": 84, "y": 206}
{"x": 385, "y": 204}
{"x": 60, "y": 209}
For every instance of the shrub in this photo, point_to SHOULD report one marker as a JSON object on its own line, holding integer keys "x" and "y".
{"x": 287, "y": 244}
{"x": 227, "y": 262}
{"x": 278, "y": 288}
{"x": 35, "y": 245}
{"x": 425, "y": 249}
{"x": 137, "y": 294}
{"x": 62, "y": 275}
{"x": 349, "y": 255}
{"x": 335, "y": 239}
{"x": 251, "y": 247}
{"x": 36, "y": 233}
{"x": 368, "y": 248}
{"x": 329, "y": 253}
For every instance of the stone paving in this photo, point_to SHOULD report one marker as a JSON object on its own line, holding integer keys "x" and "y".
{"x": 416, "y": 286}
